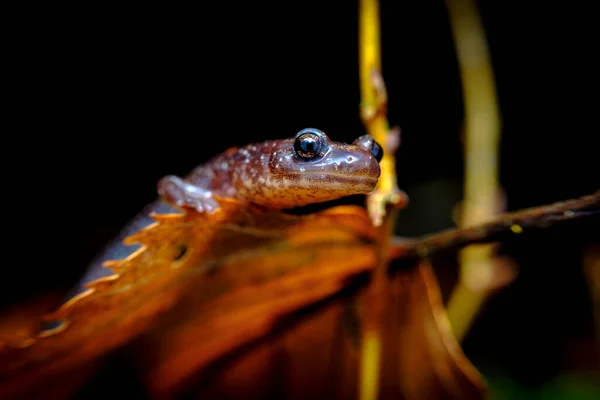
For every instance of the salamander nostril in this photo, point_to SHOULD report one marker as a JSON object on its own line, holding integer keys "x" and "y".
{"x": 376, "y": 151}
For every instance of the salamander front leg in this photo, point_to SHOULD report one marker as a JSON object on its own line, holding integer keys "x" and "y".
{"x": 180, "y": 193}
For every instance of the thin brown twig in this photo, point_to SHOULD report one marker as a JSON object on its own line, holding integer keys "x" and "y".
{"x": 514, "y": 223}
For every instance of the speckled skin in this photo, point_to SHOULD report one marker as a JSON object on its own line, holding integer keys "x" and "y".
{"x": 271, "y": 175}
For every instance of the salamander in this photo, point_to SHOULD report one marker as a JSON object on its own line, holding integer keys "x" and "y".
{"x": 277, "y": 174}
{"x": 280, "y": 174}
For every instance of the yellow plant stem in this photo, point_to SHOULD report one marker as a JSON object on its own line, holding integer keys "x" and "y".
{"x": 373, "y": 110}
{"x": 373, "y": 114}
{"x": 481, "y": 137}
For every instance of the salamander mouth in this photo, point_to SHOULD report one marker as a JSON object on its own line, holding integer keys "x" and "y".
{"x": 336, "y": 181}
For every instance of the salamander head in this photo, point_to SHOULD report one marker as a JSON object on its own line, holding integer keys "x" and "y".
{"x": 311, "y": 168}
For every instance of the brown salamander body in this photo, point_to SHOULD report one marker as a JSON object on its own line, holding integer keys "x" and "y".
{"x": 279, "y": 174}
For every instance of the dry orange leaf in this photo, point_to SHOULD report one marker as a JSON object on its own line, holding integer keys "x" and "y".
{"x": 210, "y": 293}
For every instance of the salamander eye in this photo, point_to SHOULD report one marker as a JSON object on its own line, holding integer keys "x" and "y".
{"x": 369, "y": 144}
{"x": 309, "y": 143}
{"x": 376, "y": 151}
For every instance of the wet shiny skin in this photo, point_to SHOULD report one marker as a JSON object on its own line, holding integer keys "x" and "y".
{"x": 273, "y": 175}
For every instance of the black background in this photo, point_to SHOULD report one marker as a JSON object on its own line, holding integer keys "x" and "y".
{"x": 108, "y": 99}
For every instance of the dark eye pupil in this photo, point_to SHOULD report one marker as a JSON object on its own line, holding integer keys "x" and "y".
{"x": 307, "y": 146}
